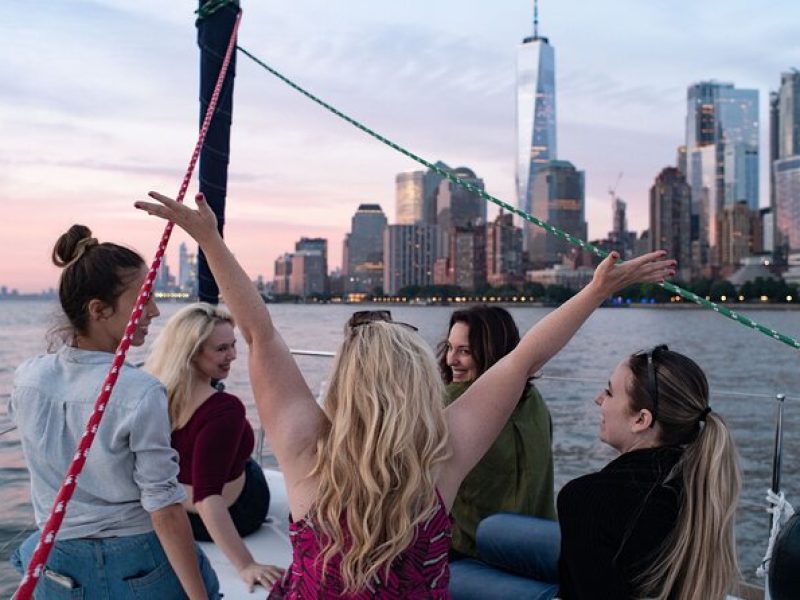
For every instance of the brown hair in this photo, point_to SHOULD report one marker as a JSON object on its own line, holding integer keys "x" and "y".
{"x": 698, "y": 558}
{"x": 492, "y": 334}
{"x": 90, "y": 271}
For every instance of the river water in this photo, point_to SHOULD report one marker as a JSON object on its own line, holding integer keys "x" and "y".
{"x": 745, "y": 368}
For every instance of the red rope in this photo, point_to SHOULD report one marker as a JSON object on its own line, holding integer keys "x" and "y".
{"x": 50, "y": 529}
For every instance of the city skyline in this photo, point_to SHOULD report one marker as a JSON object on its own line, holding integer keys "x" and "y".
{"x": 93, "y": 118}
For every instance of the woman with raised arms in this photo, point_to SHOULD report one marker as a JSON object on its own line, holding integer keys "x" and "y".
{"x": 371, "y": 475}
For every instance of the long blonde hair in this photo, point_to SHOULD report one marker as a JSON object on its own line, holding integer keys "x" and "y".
{"x": 697, "y": 561}
{"x": 377, "y": 463}
{"x": 170, "y": 359}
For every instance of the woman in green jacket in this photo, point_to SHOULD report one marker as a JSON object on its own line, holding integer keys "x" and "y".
{"x": 516, "y": 474}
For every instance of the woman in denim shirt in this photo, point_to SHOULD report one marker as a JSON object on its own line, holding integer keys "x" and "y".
{"x": 125, "y": 533}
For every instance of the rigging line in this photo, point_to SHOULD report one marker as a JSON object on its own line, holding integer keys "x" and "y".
{"x": 718, "y": 308}
{"x": 30, "y": 529}
{"x": 37, "y": 563}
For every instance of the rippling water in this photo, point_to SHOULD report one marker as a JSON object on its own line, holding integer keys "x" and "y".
{"x": 746, "y": 369}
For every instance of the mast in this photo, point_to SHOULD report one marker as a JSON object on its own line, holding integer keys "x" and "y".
{"x": 213, "y": 32}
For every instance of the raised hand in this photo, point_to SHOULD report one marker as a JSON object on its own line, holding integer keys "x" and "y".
{"x": 653, "y": 267}
{"x": 201, "y": 224}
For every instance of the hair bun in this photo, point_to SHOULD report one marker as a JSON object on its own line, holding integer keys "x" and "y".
{"x": 71, "y": 245}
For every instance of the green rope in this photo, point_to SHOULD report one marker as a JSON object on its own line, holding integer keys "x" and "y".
{"x": 210, "y": 7}
{"x": 723, "y": 310}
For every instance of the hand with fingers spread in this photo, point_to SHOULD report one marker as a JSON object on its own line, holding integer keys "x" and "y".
{"x": 200, "y": 223}
{"x": 611, "y": 275}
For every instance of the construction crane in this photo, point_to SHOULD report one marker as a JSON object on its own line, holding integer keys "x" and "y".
{"x": 612, "y": 191}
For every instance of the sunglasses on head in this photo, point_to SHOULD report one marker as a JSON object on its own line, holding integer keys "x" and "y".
{"x": 652, "y": 376}
{"x": 365, "y": 317}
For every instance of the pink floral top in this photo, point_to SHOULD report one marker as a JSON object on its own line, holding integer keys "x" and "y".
{"x": 420, "y": 572}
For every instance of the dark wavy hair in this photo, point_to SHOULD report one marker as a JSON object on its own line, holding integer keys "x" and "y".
{"x": 492, "y": 334}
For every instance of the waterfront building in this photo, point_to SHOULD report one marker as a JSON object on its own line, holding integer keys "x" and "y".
{"x": 187, "y": 269}
{"x": 316, "y": 245}
{"x": 767, "y": 216}
{"x": 787, "y": 202}
{"x": 670, "y": 218}
{"x": 430, "y": 191}
{"x": 740, "y": 235}
{"x": 409, "y": 252}
{"x": 561, "y": 202}
{"x": 722, "y": 150}
{"x": 642, "y": 244}
{"x": 309, "y": 276}
{"x": 788, "y": 126}
{"x": 364, "y": 246}
{"x": 752, "y": 268}
{"x": 409, "y": 197}
{"x": 573, "y": 278}
{"x": 458, "y": 207}
{"x": 468, "y": 256}
{"x": 792, "y": 275}
{"x": 785, "y": 168}
{"x": 366, "y": 278}
{"x": 619, "y": 237}
{"x": 164, "y": 281}
{"x": 283, "y": 274}
{"x": 535, "y": 121}
{"x": 504, "y": 255}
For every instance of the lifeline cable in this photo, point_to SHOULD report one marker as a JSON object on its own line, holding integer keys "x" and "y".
{"x": 39, "y": 559}
{"x": 719, "y": 308}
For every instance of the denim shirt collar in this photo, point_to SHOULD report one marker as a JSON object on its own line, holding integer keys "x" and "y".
{"x": 87, "y": 357}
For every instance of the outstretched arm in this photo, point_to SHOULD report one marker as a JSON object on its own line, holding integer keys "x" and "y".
{"x": 477, "y": 417}
{"x": 286, "y": 407}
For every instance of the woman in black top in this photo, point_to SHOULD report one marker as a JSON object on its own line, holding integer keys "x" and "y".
{"x": 657, "y": 522}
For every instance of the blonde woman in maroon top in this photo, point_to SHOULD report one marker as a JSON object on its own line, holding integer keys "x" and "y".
{"x": 227, "y": 494}
{"x": 370, "y": 471}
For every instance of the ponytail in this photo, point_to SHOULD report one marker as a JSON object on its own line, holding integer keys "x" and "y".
{"x": 697, "y": 561}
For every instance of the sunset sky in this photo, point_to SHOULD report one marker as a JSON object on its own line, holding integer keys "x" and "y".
{"x": 98, "y": 104}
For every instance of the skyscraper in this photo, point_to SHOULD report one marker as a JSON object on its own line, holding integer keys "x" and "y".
{"x": 283, "y": 274}
{"x": 409, "y": 197}
{"x": 458, "y": 207}
{"x": 468, "y": 256}
{"x": 364, "y": 248}
{"x": 409, "y": 252}
{"x": 789, "y": 115}
{"x": 365, "y": 243}
{"x": 786, "y": 168}
{"x": 560, "y": 201}
{"x": 187, "y": 269}
{"x": 535, "y": 118}
{"x": 503, "y": 251}
{"x": 670, "y": 218}
{"x": 722, "y": 156}
{"x": 315, "y": 245}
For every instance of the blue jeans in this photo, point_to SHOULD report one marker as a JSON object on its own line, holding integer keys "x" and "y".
{"x": 114, "y": 568}
{"x": 518, "y": 558}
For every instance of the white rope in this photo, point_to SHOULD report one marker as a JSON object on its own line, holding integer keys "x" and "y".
{"x": 781, "y": 512}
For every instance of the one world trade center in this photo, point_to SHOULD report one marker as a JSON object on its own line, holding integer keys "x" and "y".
{"x": 536, "y": 121}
